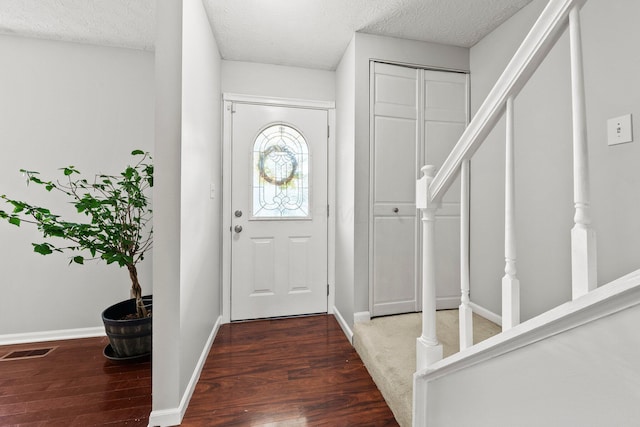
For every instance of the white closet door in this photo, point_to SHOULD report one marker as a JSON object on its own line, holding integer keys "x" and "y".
{"x": 417, "y": 116}
{"x": 445, "y": 118}
{"x": 394, "y": 271}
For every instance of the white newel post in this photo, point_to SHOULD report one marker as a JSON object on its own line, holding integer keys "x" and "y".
{"x": 583, "y": 237}
{"x": 428, "y": 349}
{"x": 510, "y": 282}
{"x": 464, "y": 312}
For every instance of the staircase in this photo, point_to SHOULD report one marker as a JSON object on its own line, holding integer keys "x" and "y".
{"x": 575, "y": 365}
{"x": 555, "y": 369}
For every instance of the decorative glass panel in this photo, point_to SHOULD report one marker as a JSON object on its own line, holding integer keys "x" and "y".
{"x": 280, "y": 174}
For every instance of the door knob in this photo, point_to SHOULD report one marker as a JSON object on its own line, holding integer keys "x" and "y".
{"x": 238, "y": 214}
{"x": 237, "y": 228}
{"x": 396, "y": 210}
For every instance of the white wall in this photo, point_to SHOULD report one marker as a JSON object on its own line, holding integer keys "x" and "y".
{"x": 200, "y": 270}
{"x": 587, "y": 376}
{"x": 250, "y": 78}
{"x": 544, "y": 181}
{"x": 345, "y": 189}
{"x": 65, "y": 104}
{"x": 188, "y": 137}
{"x": 369, "y": 47}
{"x": 167, "y": 210}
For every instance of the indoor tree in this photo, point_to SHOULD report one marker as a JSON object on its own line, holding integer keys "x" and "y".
{"x": 118, "y": 226}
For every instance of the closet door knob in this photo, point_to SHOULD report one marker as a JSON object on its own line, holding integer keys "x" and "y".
{"x": 396, "y": 210}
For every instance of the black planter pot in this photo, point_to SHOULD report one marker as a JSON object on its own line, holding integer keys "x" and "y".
{"x": 127, "y": 338}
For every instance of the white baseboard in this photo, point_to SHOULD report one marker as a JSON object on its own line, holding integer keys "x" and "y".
{"x": 361, "y": 317}
{"x": 447, "y": 303}
{"x": 343, "y": 324}
{"x": 173, "y": 416}
{"x": 57, "y": 335}
{"x": 489, "y": 315}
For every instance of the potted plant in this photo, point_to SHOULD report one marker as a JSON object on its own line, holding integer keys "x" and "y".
{"x": 118, "y": 230}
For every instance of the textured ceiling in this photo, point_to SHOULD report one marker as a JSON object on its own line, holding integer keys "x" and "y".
{"x": 122, "y": 23}
{"x": 304, "y": 33}
{"x": 315, "y": 33}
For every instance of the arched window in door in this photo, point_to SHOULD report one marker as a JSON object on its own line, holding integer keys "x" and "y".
{"x": 280, "y": 173}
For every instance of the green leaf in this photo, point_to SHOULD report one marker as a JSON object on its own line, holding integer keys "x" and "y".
{"x": 137, "y": 152}
{"x": 78, "y": 260}
{"x": 18, "y": 206}
{"x": 15, "y": 221}
{"x": 42, "y": 248}
{"x": 68, "y": 171}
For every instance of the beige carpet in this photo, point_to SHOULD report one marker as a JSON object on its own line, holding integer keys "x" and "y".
{"x": 387, "y": 346}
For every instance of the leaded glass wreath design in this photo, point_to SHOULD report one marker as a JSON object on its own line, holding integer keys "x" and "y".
{"x": 280, "y": 173}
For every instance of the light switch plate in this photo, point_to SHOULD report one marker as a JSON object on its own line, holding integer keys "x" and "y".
{"x": 619, "y": 130}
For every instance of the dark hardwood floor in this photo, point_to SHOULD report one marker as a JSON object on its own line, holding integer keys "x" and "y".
{"x": 74, "y": 385}
{"x": 286, "y": 372}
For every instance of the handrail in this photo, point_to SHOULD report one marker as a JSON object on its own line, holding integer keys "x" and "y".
{"x": 543, "y": 35}
{"x": 431, "y": 187}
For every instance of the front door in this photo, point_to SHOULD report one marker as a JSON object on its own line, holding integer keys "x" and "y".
{"x": 279, "y": 211}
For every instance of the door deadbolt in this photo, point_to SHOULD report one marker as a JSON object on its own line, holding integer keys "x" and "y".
{"x": 238, "y": 213}
{"x": 237, "y": 228}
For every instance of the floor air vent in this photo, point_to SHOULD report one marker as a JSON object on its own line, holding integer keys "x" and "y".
{"x": 27, "y": 354}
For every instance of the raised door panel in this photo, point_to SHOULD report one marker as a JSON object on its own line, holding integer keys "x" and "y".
{"x": 395, "y": 93}
{"x": 394, "y": 265}
{"x": 263, "y": 275}
{"x": 395, "y": 157}
{"x": 445, "y": 96}
{"x": 300, "y": 264}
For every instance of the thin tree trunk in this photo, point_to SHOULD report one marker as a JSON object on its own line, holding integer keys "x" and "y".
{"x": 136, "y": 291}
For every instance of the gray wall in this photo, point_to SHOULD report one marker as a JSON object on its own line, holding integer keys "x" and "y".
{"x": 279, "y": 81}
{"x": 65, "y": 104}
{"x": 583, "y": 377}
{"x": 544, "y": 181}
{"x": 345, "y": 190}
{"x": 201, "y": 216}
{"x": 187, "y": 300}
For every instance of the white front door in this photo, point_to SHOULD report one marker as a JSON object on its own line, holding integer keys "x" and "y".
{"x": 279, "y": 211}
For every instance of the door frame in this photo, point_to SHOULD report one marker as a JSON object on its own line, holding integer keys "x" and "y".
{"x": 228, "y": 99}
{"x": 420, "y": 154}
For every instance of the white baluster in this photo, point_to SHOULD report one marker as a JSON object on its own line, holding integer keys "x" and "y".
{"x": 428, "y": 349}
{"x": 583, "y": 237}
{"x": 510, "y": 282}
{"x": 465, "y": 313}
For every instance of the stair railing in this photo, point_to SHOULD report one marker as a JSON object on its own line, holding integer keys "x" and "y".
{"x": 431, "y": 188}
